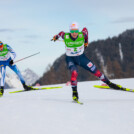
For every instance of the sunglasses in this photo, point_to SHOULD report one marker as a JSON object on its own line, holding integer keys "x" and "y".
{"x": 74, "y": 31}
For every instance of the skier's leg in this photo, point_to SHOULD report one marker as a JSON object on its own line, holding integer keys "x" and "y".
{"x": 106, "y": 80}
{"x": 16, "y": 70}
{"x": 74, "y": 73}
{"x": 88, "y": 65}
{"x": 2, "y": 82}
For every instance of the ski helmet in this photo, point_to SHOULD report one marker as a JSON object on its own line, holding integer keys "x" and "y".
{"x": 74, "y": 25}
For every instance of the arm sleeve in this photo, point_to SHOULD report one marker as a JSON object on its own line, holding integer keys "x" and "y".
{"x": 85, "y": 33}
{"x": 61, "y": 34}
{"x": 12, "y": 52}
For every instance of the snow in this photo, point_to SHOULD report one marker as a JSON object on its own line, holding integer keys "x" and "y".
{"x": 52, "y": 111}
{"x": 120, "y": 52}
{"x": 101, "y": 59}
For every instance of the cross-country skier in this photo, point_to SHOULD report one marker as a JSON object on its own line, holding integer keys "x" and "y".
{"x": 75, "y": 43}
{"x": 7, "y": 56}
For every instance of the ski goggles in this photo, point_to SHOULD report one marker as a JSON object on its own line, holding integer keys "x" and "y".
{"x": 1, "y": 43}
{"x": 74, "y": 31}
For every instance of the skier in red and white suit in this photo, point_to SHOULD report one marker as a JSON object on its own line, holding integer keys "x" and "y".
{"x": 76, "y": 42}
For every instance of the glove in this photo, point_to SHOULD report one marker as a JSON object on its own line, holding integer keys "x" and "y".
{"x": 86, "y": 45}
{"x": 11, "y": 62}
{"x": 55, "y": 38}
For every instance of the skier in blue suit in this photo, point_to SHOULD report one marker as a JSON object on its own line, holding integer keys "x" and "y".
{"x": 7, "y": 56}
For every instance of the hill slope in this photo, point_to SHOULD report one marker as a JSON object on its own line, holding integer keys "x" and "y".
{"x": 52, "y": 111}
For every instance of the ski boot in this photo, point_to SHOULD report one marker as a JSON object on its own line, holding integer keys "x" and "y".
{"x": 75, "y": 94}
{"x": 27, "y": 88}
{"x": 114, "y": 86}
{"x": 1, "y": 91}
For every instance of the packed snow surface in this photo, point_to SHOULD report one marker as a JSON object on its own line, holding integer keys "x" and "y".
{"x": 104, "y": 111}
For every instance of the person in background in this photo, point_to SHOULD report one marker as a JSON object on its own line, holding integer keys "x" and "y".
{"x": 7, "y": 56}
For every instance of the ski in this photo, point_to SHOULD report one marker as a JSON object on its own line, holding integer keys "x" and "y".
{"x": 1, "y": 95}
{"x": 33, "y": 89}
{"x": 121, "y": 88}
{"x": 78, "y": 102}
{"x": 101, "y": 86}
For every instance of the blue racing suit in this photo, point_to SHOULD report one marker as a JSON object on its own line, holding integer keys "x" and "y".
{"x": 5, "y": 61}
{"x": 83, "y": 61}
{"x": 75, "y": 55}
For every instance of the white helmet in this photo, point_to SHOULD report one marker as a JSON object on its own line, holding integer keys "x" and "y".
{"x": 74, "y": 25}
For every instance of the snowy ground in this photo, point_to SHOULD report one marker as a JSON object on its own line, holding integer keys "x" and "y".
{"x": 52, "y": 111}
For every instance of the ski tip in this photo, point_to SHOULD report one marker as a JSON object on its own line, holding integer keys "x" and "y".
{"x": 1, "y": 95}
{"x": 127, "y": 89}
{"x": 78, "y": 102}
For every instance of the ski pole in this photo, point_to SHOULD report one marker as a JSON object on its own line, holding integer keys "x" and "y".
{"x": 26, "y": 57}
{"x": 57, "y": 40}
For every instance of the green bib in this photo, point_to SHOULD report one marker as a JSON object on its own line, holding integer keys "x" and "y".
{"x": 5, "y": 50}
{"x": 74, "y": 44}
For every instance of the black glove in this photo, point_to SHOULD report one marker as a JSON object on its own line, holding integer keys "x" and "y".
{"x": 11, "y": 62}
